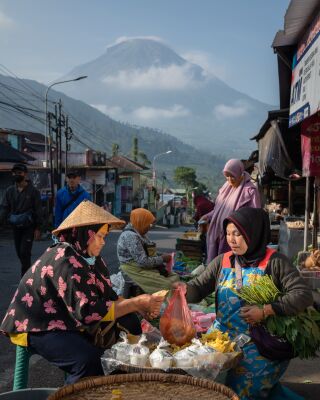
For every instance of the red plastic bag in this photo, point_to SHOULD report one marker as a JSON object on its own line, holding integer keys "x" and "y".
{"x": 176, "y": 324}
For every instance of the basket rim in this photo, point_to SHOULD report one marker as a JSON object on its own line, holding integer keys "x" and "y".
{"x": 91, "y": 382}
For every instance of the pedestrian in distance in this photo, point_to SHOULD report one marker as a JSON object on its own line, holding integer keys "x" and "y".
{"x": 21, "y": 208}
{"x": 69, "y": 197}
{"x": 237, "y": 192}
{"x": 65, "y": 309}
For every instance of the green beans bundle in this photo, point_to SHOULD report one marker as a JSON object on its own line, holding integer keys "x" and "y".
{"x": 302, "y": 330}
{"x": 262, "y": 291}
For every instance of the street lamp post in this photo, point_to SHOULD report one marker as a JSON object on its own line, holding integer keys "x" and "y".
{"x": 48, "y": 135}
{"x": 154, "y": 177}
{"x": 46, "y": 112}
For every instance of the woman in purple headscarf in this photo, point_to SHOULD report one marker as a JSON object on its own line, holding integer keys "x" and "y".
{"x": 236, "y": 193}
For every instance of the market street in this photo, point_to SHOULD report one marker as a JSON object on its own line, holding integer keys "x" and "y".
{"x": 302, "y": 376}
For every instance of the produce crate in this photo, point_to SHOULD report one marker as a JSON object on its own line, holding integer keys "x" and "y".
{"x": 312, "y": 278}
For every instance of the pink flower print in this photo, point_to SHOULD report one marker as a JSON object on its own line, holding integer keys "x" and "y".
{"x": 77, "y": 245}
{"x": 92, "y": 279}
{"x": 57, "y": 324}
{"x": 70, "y": 309}
{"x": 91, "y": 235}
{"x": 92, "y": 303}
{"x": 82, "y": 297}
{"x": 43, "y": 290}
{"x": 49, "y": 307}
{"x": 35, "y": 330}
{"x": 93, "y": 294}
{"x": 60, "y": 253}
{"x": 62, "y": 287}
{"x": 28, "y": 299}
{"x": 107, "y": 280}
{"x": 100, "y": 285}
{"x": 78, "y": 323}
{"x": 29, "y": 282}
{"x": 21, "y": 326}
{"x": 92, "y": 317}
{"x": 14, "y": 296}
{"x": 75, "y": 262}
{"x": 34, "y": 266}
{"x": 76, "y": 277}
{"x": 47, "y": 271}
{"x": 12, "y": 312}
{"x": 109, "y": 303}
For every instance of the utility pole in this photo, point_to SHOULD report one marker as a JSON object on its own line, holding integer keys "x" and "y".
{"x": 68, "y": 136}
{"x": 49, "y": 116}
{"x": 59, "y": 124}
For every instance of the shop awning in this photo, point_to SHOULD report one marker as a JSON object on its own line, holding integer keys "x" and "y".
{"x": 297, "y": 18}
{"x": 273, "y": 154}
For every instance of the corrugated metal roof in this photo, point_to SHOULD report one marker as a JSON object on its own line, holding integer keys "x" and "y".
{"x": 299, "y": 15}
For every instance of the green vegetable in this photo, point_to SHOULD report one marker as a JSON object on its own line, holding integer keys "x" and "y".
{"x": 302, "y": 331}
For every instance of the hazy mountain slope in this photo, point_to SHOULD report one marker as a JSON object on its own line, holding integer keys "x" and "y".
{"x": 144, "y": 82}
{"x": 96, "y": 130}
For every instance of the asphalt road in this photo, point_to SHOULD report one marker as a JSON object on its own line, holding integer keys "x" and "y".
{"x": 301, "y": 376}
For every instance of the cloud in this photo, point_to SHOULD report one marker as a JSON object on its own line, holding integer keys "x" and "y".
{"x": 205, "y": 60}
{"x": 143, "y": 113}
{"x": 151, "y": 113}
{"x": 122, "y": 39}
{"x": 113, "y": 111}
{"x": 5, "y": 21}
{"x": 173, "y": 77}
{"x": 239, "y": 109}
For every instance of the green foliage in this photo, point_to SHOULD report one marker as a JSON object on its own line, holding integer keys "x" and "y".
{"x": 302, "y": 331}
{"x": 115, "y": 149}
{"x": 135, "y": 149}
{"x": 185, "y": 176}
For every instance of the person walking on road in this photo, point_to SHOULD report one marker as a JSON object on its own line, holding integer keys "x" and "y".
{"x": 21, "y": 207}
{"x": 69, "y": 197}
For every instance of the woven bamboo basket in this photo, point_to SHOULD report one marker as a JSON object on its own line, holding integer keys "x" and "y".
{"x": 145, "y": 386}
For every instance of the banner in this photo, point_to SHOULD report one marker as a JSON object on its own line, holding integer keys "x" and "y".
{"x": 310, "y": 146}
{"x": 305, "y": 82}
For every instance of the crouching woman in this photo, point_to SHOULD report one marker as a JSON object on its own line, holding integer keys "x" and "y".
{"x": 67, "y": 294}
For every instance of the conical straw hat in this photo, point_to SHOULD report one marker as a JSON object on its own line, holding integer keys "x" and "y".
{"x": 88, "y": 213}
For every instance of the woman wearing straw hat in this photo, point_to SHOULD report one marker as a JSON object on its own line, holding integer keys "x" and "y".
{"x": 67, "y": 293}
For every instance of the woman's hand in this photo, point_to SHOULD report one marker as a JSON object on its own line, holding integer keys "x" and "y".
{"x": 149, "y": 305}
{"x": 252, "y": 314}
{"x": 175, "y": 285}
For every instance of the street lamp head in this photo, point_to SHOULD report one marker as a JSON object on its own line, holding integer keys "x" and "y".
{"x": 81, "y": 77}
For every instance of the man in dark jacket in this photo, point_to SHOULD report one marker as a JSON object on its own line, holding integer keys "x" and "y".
{"x": 21, "y": 206}
{"x": 69, "y": 197}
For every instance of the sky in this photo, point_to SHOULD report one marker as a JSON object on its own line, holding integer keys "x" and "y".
{"x": 44, "y": 40}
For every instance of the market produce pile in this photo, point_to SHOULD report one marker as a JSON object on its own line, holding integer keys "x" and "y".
{"x": 301, "y": 331}
{"x": 312, "y": 263}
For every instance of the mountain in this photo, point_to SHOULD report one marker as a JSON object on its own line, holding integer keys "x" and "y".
{"x": 22, "y": 107}
{"x": 144, "y": 82}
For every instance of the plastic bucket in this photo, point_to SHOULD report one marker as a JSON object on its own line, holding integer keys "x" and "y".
{"x": 28, "y": 394}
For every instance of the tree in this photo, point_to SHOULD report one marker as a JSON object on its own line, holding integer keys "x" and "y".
{"x": 185, "y": 176}
{"x": 135, "y": 149}
{"x": 139, "y": 155}
{"x": 115, "y": 149}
